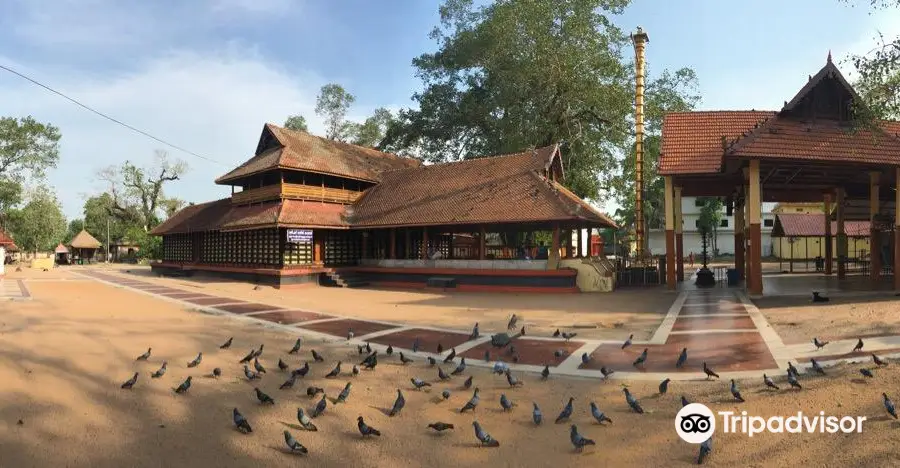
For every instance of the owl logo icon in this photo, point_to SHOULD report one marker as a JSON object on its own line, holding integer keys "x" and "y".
{"x": 695, "y": 423}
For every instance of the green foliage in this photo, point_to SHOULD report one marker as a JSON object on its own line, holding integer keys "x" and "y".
{"x": 372, "y": 131}
{"x": 878, "y": 74}
{"x": 332, "y": 104}
{"x": 297, "y": 123}
{"x": 710, "y": 217}
{"x": 39, "y": 225}
{"x": 150, "y": 246}
{"x": 10, "y": 197}
{"x": 136, "y": 196}
{"x": 27, "y": 147}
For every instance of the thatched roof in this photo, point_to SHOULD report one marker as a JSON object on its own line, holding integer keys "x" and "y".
{"x": 61, "y": 249}
{"x": 83, "y": 240}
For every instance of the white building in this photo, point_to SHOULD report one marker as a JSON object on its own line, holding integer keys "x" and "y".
{"x": 725, "y": 235}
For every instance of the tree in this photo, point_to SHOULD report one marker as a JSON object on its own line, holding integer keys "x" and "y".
{"x": 372, "y": 131}
{"x": 27, "y": 147}
{"x": 297, "y": 123}
{"x": 10, "y": 197}
{"x": 710, "y": 217}
{"x": 878, "y": 74}
{"x": 137, "y": 192}
{"x": 39, "y": 225}
{"x": 332, "y": 104}
{"x": 99, "y": 213}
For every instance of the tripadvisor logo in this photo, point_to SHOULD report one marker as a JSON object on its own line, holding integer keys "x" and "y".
{"x": 695, "y": 423}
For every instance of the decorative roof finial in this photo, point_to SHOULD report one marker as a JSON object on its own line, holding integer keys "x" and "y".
{"x": 829, "y": 55}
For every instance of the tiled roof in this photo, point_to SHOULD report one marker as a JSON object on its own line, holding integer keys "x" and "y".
{"x": 311, "y": 214}
{"x": 220, "y": 215}
{"x": 813, "y": 225}
{"x": 692, "y": 141}
{"x": 84, "y": 240}
{"x": 302, "y": 151}
{"x": 61, "y": 249}
{"x": 499, "y": 189}
{"x": 7, "y": 241}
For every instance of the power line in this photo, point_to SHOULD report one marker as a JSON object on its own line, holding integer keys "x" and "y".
{"x": 112, "y": 119}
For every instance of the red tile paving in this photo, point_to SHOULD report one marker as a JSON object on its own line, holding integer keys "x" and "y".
{"x": 289, "y": 316}
{"x": 210, "y": 300}
{"x": 181, "y": 295}
{"x": 531, "y": 352}
{"x": 428, "y": 339}
{"x": 247, "y": 307}
{"x": 713, "y": 323}
{"x": 340, "y": 327}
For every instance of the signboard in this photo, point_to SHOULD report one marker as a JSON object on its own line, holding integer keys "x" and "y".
{"x": 299, "y": 236}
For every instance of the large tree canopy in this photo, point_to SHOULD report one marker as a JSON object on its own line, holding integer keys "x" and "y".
{"x": 332, "y": 104}
{"x": 27, "y": 147}
{"x": 136, "y": 194}
{"x": 878, "y": 71}
{"x": 40, "y": 224}
{"x": 527, "y": 73}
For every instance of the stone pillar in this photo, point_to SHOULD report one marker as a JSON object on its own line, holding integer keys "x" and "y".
{"x": 748, "y": 267}
{"x": 679, "y": 236}
{"x": 739, "y": 239}
{"x": 875, "y": 235}
{"x": 756, "y": 286}
{"x": 841, "y": 234}
{"x": 829, "y": 251}
{"x": 393, "y": 241}
{"x": 670, "y": 233}
{"x": 579, "y": 249}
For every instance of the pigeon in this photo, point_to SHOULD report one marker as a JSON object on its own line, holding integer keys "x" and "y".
{"x": 293, "y": 445}
{"x": 355, "y": 370}
{"x": 370, "y": 361}
{"x": 709, "y": 372}
{"x": 259, "y": 367}
{"x": 598, "y": 415}
{"x": 250, "y": 374}
{"x": 684, "y": 401}
{"x": 632, "y": 402}
{"x": 350, "y": 334}
{"x": 816, "y": 297}
{"x": 640, "y": 360}
{"x": 556, "y": 333}
{"x": 196, "y": 361}
{"x": 297, "y": 345}
{"x": 130, "y": 382}
{"x": 627, "y": 342}
{"x": 259, "y": 351}
{"x": 262, "y": 397}
{"x": 334, "y": 372}
{"x": 792, "y": 379}
{"x": 585, "y": 358}
{"x": 460, "y": 368}
{"x": 316, "y": 356}
{"x": 889, "y": 405}
{"x": 241, "y": 422}
{"x": 145, "y": 356}
{"x": 682, "y": 358}
{"x": 878, "y": 361}
{"x": 416, "y": 344}
{"x": 512, "y": 380}
{"x": 485, "y": 438}
{"x": 559, "y": 353}
{"x": 301, "y": 372}
{"x": 487, "y": 355}
{"x": 578, "y": 440}
{"x": 499, "y": 368}
{"x": 419, "y": 383}
{"x": 664, "y": 386}
{"x": 289, "y": 383}
{"x": 359, "y": 349}
{"x": 472, "y": 403}
{"x": 769, "y": 382}
{"x": 390, "y": 350}
{"x": 735, "y": 392}
{"x": 249, "y": 357}
{"x": 512, "y": 322}
{"x": 305, "y": 422}
{"x": 819, "y": 344}
{"x": 568, "y": 336}
{"x": 320, "y": 407}
{"x": 365, "y": 429}
{"x": 859, "y": 346}
{"x": 705, "y": 449}
{"x": 313, "y": 391}
{"x": 281, "y": 365}
{"x": 440, "y": 348}
{"x": 815, "y": 365}
{"x": 793, "y": 369}
{"x": 505, "y": 403}
{"x": 368, "y": 348}
{"x": 442, "y": 375}
{"x": 475, "y": 334}
{"x": 536, "y": 415}
{"x": 566, "y": 412}
{"x": 161, "y": 372}
{"x": 545, "y": 374}
{"x": 431, "y": 361}
{"x": 468, "y": 383}
{"x": 184, "y": 386}
{"x": 866, "y": 373}
{"x": 404, "y": 359}
{"x": 606, "y": 372}
{"x": 450, "y": 356}
{"x": 345, "y": 393}
{"x": 217, "y": 372}
{"x": 227, "y": 343}
{"x": 399, "y": 403}
{"x": 445, "y": 394}
{"x": 440, "y": 426}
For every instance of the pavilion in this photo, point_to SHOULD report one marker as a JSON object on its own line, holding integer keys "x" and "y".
{"x": 83, "y": 247}
{"x": 309, "y": 207}
{"x": 810, "y": 150}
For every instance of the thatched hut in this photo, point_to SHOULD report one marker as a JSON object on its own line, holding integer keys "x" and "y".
{"x": 62, "y": 254}
{"x": 83, "y": 247}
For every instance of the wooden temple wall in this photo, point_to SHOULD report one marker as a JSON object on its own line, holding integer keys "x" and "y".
{"x": 251, "y": 247}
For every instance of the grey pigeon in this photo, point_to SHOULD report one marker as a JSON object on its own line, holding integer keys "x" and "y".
{"x": 705, "y": 449}
{"x": 735, "y": 392}
{"x": 500, "y": 367}
{"x": 217, "y": 372}
{"x": 305, "y": 422}
{"x": 545, "y": 374}
{"x": 404, "y": 359}
{"x": 487, "y": 355}
{"x": 818, "y": 297}
{"x": 442, "y": 375}
{"x": 371, "y": 361}
{"x": 769, "y": 382}
{"x": 585, "y": 358}
{"x": 390, "y": 350}
{"x": 334, "y": 372}
{"x": 445, "y": 394}
{"x": 460, "y": 368}
{"x": 709, "y": 372}
{"x": 664, "y": 386}
{"x": 249, "y": 373}
{"x": 641, "y": 359}
{"x": 316, "y": 356}
{"x": 682, "y": 358}
{"x": 282, "y": 366}
{"x": 578, "y": 440}
{"x": 512, "y": 322}
{"x": 345, "y": 393}
{"x": 301, "y": 372}
{"x": 472, "y": 403}
{"x": 415, "y": 345}
{"x": 568, "y": 336}
{"x": 556, "y": 333}
{"x": 365, "y": 429}
{"x": 259, "y": 367}
{"x": 161, "y": 372}
{"x": 505, "y": 403}
{"x": 419, "y": 383}
{"x": 355, "y": 370}
{"x": 878, "y": 361}
{"x": 313, "y": 391}
{"x": 320, "y": 407}
{"x": 889, "y": 405}
{"x": 130, "y": 382}
{"x": 475, "y": 333}
{"x": 262, "y": 397}
{"x": 536, "y": 415}
{"x": 259, "y": 351}
{"x": 866, "y": 373}
{"x": 606, "y": 372}
{"x": 859, "y": 346}
{"x": 359, "y": 349}
{"x": 196, "y": 361}
{"x": 450, "y": 357}
{"x": 227, "y": 343}
{"x": 566, "y": 412}
{"x": 792, "y": 379}
{"x": 468, "y": 383}
{"x": 483, "y": 437}
{"x": 297, "y": 345}
{"x": 684, "y": 401}
{"x": 431, "y": 361}
{"x": 632, "y": 402}
{"x": 819, "y": 344}
{"x": 293, "y": 445}
{"x": 185, "y": 386}
{"x": 145, "y": 356}
{"x": 289, "y": 383}
{"x": 627, "y": 342}
{"x": 793, "y": 369}
{"x": 598, "y": 415}
{"x": 440, "y": 348}
{"x": 368, "y": 347}
{"x": 241, "y": 422}
{"x": 440, "y": 426}
{"x": 815, "y": 365}
{"x": 512, "y": 380}
{"x": 399, "y": 403}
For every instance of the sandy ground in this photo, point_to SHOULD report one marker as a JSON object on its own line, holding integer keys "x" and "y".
{"x": 796, "y": 319}
{"x": 64, "y": 355}
{"x": 601, "y": 316}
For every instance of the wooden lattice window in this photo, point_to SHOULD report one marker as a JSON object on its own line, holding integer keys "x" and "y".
{"x": 177, "y": 247}
{"x": 341, "y": 247}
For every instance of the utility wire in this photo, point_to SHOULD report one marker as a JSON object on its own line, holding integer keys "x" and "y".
{"x": 112, "y": 119}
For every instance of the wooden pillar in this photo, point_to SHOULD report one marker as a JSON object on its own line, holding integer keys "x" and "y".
{"x": 579, "y": 249}
{"x": 896, "y": 228}
{"x": 748, "y": 267}
{"x": 679, "y": 236}
{"x": 875, "y": 235}
{"x": 739, "y": 239}
{"x": 554, "y": 243}
{"x": 407, "y": 251}
{"x": 568, "y": 240}
{"x": 756, "y": 286}
{"x": 318, "y": 248}
{"x": 829, "y": 251}
{"x": 671, "y": 276}
{"x": 365, "y": 244}
{"x": 481, "y": 243}
{"x": 424, "y": 249}
{"x": 392, "y": 250}
{"x": 842, "y": 253}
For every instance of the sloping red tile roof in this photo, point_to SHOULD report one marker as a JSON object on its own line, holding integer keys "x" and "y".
{"x": 298, "y": 213}
{"x": 302, "y": 151}
{"x": 7, "y": 241}
{"x": 813, "y": 225}
{"x": 220, "y": 215}
{"x": 692, "y": 141}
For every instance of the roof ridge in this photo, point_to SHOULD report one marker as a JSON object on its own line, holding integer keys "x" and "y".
{"x": 478, "y": 158}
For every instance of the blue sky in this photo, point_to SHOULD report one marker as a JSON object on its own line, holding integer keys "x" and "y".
{"x": 206, "y": 74}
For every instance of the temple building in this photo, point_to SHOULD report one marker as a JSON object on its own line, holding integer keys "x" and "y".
{"x": 306, "y": 209}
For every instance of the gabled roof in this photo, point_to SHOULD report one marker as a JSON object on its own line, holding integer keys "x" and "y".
{"x": 7, "y": 241}
{"x": 288, "y": 149}
{"x": 813, "y": 225}
{"x": 84, "y": 240}
{"x": 61, "y": 249}
{"x": 692, "y": 141}
{"x": 828, "y": 71}
{"x": 221, "y": 215}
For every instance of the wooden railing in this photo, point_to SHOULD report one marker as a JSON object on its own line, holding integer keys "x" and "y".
{"x": 294, "y": 192}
